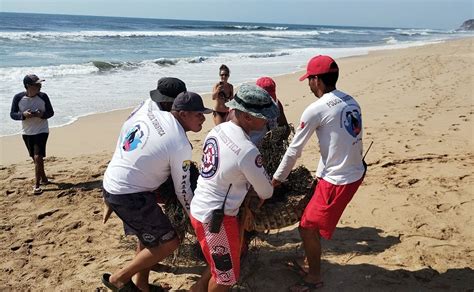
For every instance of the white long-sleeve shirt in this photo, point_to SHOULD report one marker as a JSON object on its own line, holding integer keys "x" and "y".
{"x": 337, "y": 120}
{"x": 229, "y": 159}
{"x": 151, "y": 146}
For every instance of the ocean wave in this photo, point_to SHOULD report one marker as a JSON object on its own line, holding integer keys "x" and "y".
{"x": 267, "y": 55}
{"x": 390, "y": 40}
{"x": 254, "y": 27}
{"x": 35, "y": 54}
{"x": 93, "y": 67}
{"x": 344, "y": 31}
{"x": 87, "y": 35}
{"x": 17, "y": 73}
{"x": 107, "y": 66}
{"x": 164, "y": 61}
{"x": 227, "y": 27}
{"x": 419, "y": 32}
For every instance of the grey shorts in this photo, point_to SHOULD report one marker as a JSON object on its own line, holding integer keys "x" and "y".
{"x": 142, "y": 216}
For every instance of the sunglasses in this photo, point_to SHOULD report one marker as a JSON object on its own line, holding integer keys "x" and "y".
{"x": 224, "y": 75}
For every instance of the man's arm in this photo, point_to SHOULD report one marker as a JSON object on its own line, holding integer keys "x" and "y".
{"x": 252, "y": 167}
{"x": 306, "y": 128}
{"x": 180, "y": 164}
{"x": 15, "y": 112}
{"x": 49, "y": 112}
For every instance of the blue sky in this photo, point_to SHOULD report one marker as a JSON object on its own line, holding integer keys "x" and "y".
{"x": 444, "y": 14}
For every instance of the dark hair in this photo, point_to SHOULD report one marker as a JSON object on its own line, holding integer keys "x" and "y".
{"x": 329, "y": 79}
{"x": 224, "y": 68}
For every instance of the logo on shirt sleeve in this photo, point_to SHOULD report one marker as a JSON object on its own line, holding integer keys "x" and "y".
{"x": 259, "y": 161}
{"x": 210, "y": 158}
{"x": 186, "y": 165}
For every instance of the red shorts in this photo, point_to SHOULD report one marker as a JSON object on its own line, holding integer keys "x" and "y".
{"x": 222, "y": 250}
{"x": 326, "y": 206}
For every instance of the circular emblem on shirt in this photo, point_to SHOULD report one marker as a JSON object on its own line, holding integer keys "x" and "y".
{"x": 351, "y": 120}
{"x": 259, "y": 161}
{"x": 135, "y": 136}
{"x": 210, "y": 158}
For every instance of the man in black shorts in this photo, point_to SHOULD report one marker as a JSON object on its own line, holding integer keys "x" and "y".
{"x": 33, "y": 109}
{"x": 152, "y": 146}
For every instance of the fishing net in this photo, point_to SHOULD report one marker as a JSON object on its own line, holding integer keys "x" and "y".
{"x": 283, "y": 209}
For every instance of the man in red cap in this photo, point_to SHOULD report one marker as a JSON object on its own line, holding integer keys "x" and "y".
{"x": 337, "y": 120}
{"x": 269, "y": 85}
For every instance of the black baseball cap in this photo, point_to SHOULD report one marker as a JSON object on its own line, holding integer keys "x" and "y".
{"x": 190, "y": 102}
{"x": 167, "y": 89}
{"x": 31, "y": 79}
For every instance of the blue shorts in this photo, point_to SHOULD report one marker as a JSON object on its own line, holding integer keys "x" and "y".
{"x": 142, "y": 216}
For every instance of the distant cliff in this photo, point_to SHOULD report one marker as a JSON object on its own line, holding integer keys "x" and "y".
{"x": 467, "y": 25}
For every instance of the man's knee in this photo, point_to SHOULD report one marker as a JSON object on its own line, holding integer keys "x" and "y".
{"x": 308, "y": 233}
{"x": 37, "y": 158}
{"x": 171, "y": 245}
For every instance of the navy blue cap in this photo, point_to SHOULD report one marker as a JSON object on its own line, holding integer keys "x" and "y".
{"x": 31, "y": 79}
{"x": 190, "y": 102}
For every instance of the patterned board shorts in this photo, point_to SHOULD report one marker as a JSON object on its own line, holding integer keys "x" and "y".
{"x": 142, "y": 216}
{"x": 221, "y": 250}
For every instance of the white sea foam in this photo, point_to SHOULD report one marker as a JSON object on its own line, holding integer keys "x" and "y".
{"x": 390, "y": 40}
{"x": 84, "y": 35}
{"x": 78, "y": 90}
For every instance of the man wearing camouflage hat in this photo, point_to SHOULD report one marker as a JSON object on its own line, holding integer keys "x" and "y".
{"x": 231, "y": 163}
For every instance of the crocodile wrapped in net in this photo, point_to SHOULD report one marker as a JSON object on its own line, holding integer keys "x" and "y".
{"x": 283, "y": 209}
{"x": 286, "y": 205}
{"x": 189, "y": 248}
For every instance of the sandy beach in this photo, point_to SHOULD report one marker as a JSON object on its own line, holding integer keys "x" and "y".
{"x": 408, "y": 227}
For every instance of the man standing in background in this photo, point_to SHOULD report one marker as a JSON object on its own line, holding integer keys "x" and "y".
{"x": 33, "y": 108}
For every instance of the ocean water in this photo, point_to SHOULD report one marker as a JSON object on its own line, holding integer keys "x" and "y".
{"x": 98, "y": 64}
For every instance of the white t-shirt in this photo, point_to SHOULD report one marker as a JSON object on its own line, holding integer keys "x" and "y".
{"x": 34, "y": 125}
{"x": 151, "y": 146}
{"x": 337, "y": 120}
{"x": 229, "y": 158}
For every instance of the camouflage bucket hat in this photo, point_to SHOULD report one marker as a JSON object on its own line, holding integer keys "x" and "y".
{"x": 255, "y": 101}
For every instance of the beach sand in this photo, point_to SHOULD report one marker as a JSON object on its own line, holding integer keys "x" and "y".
{"x": 408, "y": 227}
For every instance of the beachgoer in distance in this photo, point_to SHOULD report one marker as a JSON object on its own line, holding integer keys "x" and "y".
{"x": 159, "y": 148}
{"x": 222, "y": 92}
{"x": 231, "y": 163}
{"x": 337, "y": 121}
{"x": 33, "y": 108}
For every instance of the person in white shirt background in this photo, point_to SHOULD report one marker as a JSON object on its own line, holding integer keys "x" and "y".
{"x": 336, "y": 119}
{"x": 231, "y": 165}
{"x": 33, "y": 108}
{"x": 151, "y": 146}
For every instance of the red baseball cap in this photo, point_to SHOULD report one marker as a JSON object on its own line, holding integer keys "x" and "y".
{"x": 320, "y": 65}
{"x": 268, "y": 84}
